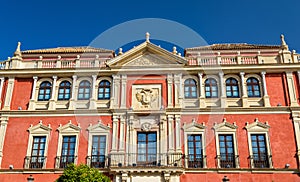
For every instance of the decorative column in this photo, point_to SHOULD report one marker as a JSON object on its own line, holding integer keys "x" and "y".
{"x": 93, "y": 104}
{"x": 291, "y": 89}
{"x": 1, "y": 88}
{"x": 265, "y": 97}
{"x": 3, "y": 125}
{"x": 171, "y": 133}
{"x": 9, "y": 92}
{"x": 177, "y": 91}
{"x": 123, "y": 91}
{"x": 244, "y": 94}
{"x": 177, "y": 134}
{"x": 170, "y": 90}
{"x": 122, "y": 134}
{"x": 115, "y": 92}
{"x": 73, "y": 94}
{"x": 222, "y": 90}
{"x": 296, "y": 121}
{"x": 32, "y": 100}
{"x": 202, "y": 103}
{"x": 115, "y": 133}
{"x": 52, "y": 104}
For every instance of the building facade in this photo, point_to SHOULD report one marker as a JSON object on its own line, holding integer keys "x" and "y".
{"x": 150, "y": 114}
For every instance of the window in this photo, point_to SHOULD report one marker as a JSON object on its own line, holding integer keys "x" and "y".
{"x": 195, "y": 155}
{"x": 67, "y": 151}
{"x": 253, "y": 87}
{"x": 84, "y": 90}
{"x": 44, "y": 91}
{"x": 259, "y": 151}
{"x": 146, "y": 147}
{"x": 232, "y": 88}
{"x": 64, "y": 90}
{"x": 190, "y": 88}
{"x": 98, "y": 151}
{"x": 211, "y": 88}
{"x": 104, "y": 90}
{"x": 227, "y": 156}
{"x": 38, "y": 152}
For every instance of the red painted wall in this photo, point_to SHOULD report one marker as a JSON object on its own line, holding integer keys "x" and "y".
{"x": 276, "y": 90}
{"x": 21, "y": 93}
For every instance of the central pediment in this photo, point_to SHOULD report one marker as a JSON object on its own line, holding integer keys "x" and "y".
{"x": 147, "y": 55}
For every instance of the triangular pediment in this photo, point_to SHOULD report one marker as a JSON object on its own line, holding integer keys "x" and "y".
{"x": 193, "y": 126}
{"x": 68, "y": 128}
{"x": 98, "y": 128}
{"x": 147, "y": 55}
{"x": 225, "y": 126}
{"x": 39, "y": 129}
{"x": 257, "y": 126}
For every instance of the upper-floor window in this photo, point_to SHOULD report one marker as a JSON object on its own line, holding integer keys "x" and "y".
{"x": 190, "y": 88}
{"x": 232, "y": 88}
{"x": 84, "y": 90}
{"x": 104, "y": 90}
{"x": 146, "y": 148}
{"x": 253, "y": 87}
{"x": 64, "y": 90}
{"x": 211, "y": 88}
{"x": 45, "y": 91}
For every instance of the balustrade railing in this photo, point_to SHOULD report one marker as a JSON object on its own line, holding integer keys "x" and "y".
{"x": 249, "y": 60}
{"x": 64, "y": 160}
{"x": 35, "y": 162}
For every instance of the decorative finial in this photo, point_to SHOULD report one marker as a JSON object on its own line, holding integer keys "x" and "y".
{"x": 41, "y": 122}
{"x": 224, "y": 120}
{"x": 59, "y": 57}
{"x": 174, "y": 50}
{"x": 78, "y": 56}
{"x": 99, "y": 121}
{"x": 18, "y": 51}
{"x": 256, "y": 120}
{"x": 120, "y": 51}
{"x": 147, "y": 37}
{"x": 193, "y": 120}
{"x": 283, "y": 43}
{"x": 40, "y": 57}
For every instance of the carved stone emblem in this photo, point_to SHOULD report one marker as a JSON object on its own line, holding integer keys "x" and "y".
{"x": 145, "y": 97}
{"x": 146, "y": 126}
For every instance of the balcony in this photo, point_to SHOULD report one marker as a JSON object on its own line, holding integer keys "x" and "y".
{"x": 195, "y": 161}
{"x": 35, "y": 162}
{"x": 260, "y": 161}
{"x": 64, "y": 160}
{"x": 98, "y": 161}
{"x": 227, "y": 161}
{"x": 146, "y": 160}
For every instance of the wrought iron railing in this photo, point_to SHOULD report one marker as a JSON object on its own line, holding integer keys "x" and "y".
{"x": 35, "y": 162}
{"x": 64, "y": 160}
{"x": 146, "y": 160}
{"x": 195, "y": 161}
{"x": 97, "y": 161}
{"x": 227, "y": 160}
{"x": 260, "y": 161}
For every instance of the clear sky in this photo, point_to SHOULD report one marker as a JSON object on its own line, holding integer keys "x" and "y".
{"x": 57, "y": 23}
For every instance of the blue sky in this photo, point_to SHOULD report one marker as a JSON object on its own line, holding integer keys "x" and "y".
{"x": 44, "y": 24}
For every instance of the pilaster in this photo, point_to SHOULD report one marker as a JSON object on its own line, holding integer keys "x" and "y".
{"x": 170, "y": 90}
{"x": 115, "y": 133}
{"x": 93, "y": 104}
{"x": 32, "y": 100}
{"x": 122, "y": 134}
{"x": 223, "y": 96}
{"x": 73, "y": 95}
{"x": 202, "y": 103}
{"x": 115, "y": 92}
{"x": 2, "y": 79}
{"x": 123, "y": 91}
{"x": 3, "y": 125}
{"x": 291, "y": 89}
{"x": 171, "y": 133}
{"x": 9, "y": 92}
{"x": 177, "y": 134}
{"x": 244, "y": 94}
{"x": 266, "y": 98}
{"x": 52, "y": 104}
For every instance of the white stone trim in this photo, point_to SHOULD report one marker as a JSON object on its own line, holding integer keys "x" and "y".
{"x": 3, "y": 126}
{"x": 68, "y": 129}
{"x": 9, "y": 93}
{"x": 38, "y": 130}
{"x": 123, "y": 91}
{"x": 170, "y": 81}
{"x": 259, "y": 128}
{"x": 199, "y": 129}
{"x": 2, "y": 80}
{"x": 291, "y": 88}
{"x": 171, "y": 133}
{"x": 226, "y": 128}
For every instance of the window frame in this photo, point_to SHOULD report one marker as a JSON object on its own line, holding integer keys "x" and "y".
{"x": 211, "y": 86}
{"x": 104, "y": 87}
{"x": 147, "y": 161}
{"x": 84, "y": 87}
{"x": 231, "y": 85}
{"x": 252, "y": 85}
{"x": 44, "y": 88}
{"x": 64, "y": 90}
{"x": 190, "y": 86}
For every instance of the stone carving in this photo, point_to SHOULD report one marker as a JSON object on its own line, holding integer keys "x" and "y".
{"x": 145, "y": 61}
{"x": 145, "y": 97}
{"x": 146, "y": 126}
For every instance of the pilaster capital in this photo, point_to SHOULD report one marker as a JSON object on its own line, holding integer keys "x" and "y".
{"x": 200, "y": 75}
{"x": 242, "y": 73}
{"x": 263, "y": 73}
{"x": 74, "y": 77}
{"x": 54, "y": 77}
{"x": 221, "y": 74}
{"x": 35, "y": 78}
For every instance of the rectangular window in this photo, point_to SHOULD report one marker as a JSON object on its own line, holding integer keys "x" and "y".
{"x": 38, "y": 152}
{"x": 195, "y": 155}
{"x": 67, "y": 151}
{"x": 146, "y": 147}
{"x": 259, "y": 150}
{"x": 98, "y": 151}
{"x": 227, "y": 156}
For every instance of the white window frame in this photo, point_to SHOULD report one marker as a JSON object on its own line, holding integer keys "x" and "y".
{"x": 36, "y": 131}
{"x": 94, "y": 130}
{"x": 226, "y": 128}
{"x": 198, "y": 129}
{"x": 67, "y": 130}
{"x": 259, "y": 128}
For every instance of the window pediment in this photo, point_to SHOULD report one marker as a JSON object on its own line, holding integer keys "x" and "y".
{"x": 225, "y": 126}
{"x": 257, "y": 126}
{"x": 39, "y": 128}
{"x": 69, "y": 128}
{"x": 192, "y": 127}
{"x": 98, "y": 128}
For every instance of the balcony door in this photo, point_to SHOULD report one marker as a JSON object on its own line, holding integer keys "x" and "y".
{"x": 147, "y": 148}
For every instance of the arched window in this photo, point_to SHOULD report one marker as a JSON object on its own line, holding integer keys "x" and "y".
{"x": 253, "y": 87}
{"x": 45, "y": 91}
{"x": 211, "y": 88}
{"x": 104, "y": 90}
{"x": 64, "y": 90}
{"x": 190, "y": 88}
{"x": 232, "y": 88}
{"x": 84, "y": 90}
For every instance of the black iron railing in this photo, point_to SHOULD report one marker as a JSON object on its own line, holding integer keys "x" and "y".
{"x": 97, "y": 161}
{"x": 260, "y": 161}
{"x": 64, "y": 160}
{"x": 195, "y": 161}
{"x": 227, "y": 160}
{"x": 35, "y": 162}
